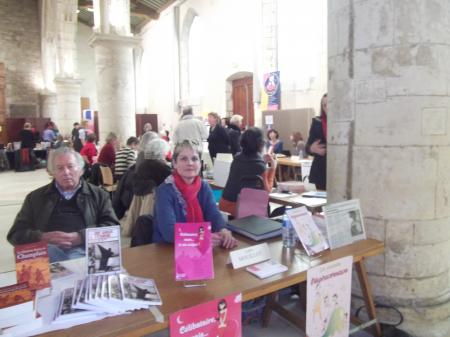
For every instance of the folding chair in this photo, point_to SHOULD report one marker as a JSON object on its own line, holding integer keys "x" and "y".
{"x": 107, "y": 179}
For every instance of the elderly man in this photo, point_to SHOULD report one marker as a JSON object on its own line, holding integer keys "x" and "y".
{"x": 190, "y": 128}
{"x": 59, "y": 212}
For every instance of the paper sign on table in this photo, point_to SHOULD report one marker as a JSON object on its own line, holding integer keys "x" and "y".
{"x": 221, "y": 317}
{"x": 328, "y": 298}
{"x": 250, "y": 255}
{"x": 193, "y": 251}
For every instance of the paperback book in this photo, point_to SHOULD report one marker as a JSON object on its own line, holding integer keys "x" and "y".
{"x": 309, "y": 234}
{"x": 266, "y": 269}
{"x": 58, "y": 271}
{"x": 16, "y": 304}
{"x": 193, "y": 252}
{"x": 103, "y": 250}
{"x": 32, "y": 265}
{"x": 139, "y": 290}
{"x": 221, "y": 317}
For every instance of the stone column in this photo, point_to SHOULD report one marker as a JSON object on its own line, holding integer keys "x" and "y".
{"x": 48, "y": 104}
{"x": 113, "y": 44}
{"x": 115, "y": 84}
{"x": 388, "y": 145}
{"x": 68, "y": 103}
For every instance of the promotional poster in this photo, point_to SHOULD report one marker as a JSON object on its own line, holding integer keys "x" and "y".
{"x": 218, "y": 318}
{"x": 328, "y": 299}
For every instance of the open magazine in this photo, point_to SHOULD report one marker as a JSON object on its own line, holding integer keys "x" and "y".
{"x": 345, "y": 223}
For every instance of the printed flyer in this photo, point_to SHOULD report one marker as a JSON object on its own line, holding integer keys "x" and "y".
{"x": 193, "y": 252}
{"x": 328, "y": 299}
{"x": 218, "y": 318}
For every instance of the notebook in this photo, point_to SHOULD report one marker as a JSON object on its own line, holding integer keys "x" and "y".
{"x": 255, "y": 227}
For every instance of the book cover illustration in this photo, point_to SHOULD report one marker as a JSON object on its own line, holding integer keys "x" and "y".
{"x": 32, "y": 265}
{"x": 140, "y": 290}
{"x": 193, "y": 252}
{"x": 328, "y": 299}
{"x": 58, "y": 270}
{"x": 309, "y": 234}
{"x": 15, "y": 294}
{"x": 103, "y": 250}
{"x": 217, "y": 318}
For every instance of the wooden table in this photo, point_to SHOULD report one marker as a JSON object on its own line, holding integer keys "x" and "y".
{"x": 156, "y": 261}
{"x": 291, "y": 163}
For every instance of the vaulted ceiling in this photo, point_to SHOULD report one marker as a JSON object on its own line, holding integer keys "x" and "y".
{"x": 141, "y": 12}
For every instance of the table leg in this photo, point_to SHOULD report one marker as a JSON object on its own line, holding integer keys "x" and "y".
{"x": 367, "y": 295}
{"x": 271, "y": 300}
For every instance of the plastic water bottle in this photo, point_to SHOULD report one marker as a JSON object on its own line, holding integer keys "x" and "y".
{"x": 288, "y": 232}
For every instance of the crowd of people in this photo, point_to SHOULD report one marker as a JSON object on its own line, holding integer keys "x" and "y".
{"x": 152, "y": 180}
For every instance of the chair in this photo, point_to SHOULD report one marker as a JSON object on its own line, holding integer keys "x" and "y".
{"x": 107, "y": 179}
{"x": 252, "y": 202}
{"x": 140, "y": 205}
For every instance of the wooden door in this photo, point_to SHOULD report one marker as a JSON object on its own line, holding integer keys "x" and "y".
{"x": 141, "y": 119}
{"x": 243, "y": 100}
{"x": 3, "y": 129}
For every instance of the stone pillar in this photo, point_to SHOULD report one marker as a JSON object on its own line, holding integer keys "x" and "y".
{"x": 388, "y": 145}
{"x": 60, "y": 99}
{"x": 68, "y": 103}
{"x": 113, "y": 44}
{"x": 115, "y": 84}
{"x": 48, "y": 104}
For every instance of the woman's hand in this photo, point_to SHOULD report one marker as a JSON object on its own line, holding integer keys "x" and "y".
{"x": 269, "y": 159}
{"x": 318, "y": 148}
{"x": 224, "y": 238}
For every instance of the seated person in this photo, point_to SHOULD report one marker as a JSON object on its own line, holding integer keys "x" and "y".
{"x": 59, "y": 212}
{"x": 126, "y": 157}
{"x": 185, "y": 197}
{"x": 274, "y": 144}
{"x": 250, "y": 162}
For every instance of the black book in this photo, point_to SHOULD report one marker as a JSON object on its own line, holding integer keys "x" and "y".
{"x": 255, "y": 227}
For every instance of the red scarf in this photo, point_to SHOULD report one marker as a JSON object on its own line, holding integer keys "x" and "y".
{"x": 189, "y": 193}
{"x": 324, "y": 125}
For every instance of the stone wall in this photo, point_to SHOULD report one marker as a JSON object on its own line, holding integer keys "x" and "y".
{"x": 389, "y": 146}
{"x": 20, "y": 50}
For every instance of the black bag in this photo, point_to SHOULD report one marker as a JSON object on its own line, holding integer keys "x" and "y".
{"x": 142, "y": 232}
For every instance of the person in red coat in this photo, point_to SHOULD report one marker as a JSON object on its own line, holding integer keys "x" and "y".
{"x": 107, "y": 154}
{"x": 89, "y": 150}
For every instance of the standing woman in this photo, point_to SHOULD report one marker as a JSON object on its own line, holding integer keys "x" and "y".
{"x": 218, "y": 140}
{"x": 185, "y": 197}
{"x": 234, "y": 132}
{"x": 317, "y": 146}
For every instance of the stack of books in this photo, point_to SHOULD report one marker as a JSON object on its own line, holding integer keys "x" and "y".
{"x": 103, "y": 295}
{"x": 17, "y": 310}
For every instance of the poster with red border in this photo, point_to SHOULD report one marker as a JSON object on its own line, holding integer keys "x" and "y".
{"x": 219, "y": 318}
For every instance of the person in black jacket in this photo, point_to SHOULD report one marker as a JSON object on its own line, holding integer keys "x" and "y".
{"x": 234, "y": 133}
{"x": 218, "y": 141}
{"x": 317, "y": 146}
{"x": 27, "y": 138}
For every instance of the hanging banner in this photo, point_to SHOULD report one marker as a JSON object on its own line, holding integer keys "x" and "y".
{"x": 271, "y": 93}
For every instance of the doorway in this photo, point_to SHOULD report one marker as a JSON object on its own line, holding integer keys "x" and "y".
{"x": 242, "y": 96}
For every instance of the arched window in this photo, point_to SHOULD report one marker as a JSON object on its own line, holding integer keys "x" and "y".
{"x": 196, "y": 59}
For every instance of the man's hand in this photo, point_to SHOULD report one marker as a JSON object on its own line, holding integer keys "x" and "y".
{"x": 62, "y": 239}
{"x": 318, "y": 148}
{"x": 228, "y": 241}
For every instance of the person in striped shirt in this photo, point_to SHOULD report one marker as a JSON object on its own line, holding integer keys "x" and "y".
{"x": 125, "y": 157}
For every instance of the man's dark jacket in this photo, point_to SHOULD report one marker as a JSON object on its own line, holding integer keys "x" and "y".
{"x": 32, "y": 219}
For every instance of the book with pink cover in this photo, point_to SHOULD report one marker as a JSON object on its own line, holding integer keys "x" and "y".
{"x": 220, "y": 317}
{"x": 193, "y": 251}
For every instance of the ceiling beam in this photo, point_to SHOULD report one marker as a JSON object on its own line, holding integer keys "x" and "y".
{"x": 142, "y": 10}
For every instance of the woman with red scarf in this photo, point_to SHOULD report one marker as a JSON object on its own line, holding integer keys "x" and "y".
{"x": 185, "y": 197}
{"x": 317, "y": 146}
